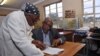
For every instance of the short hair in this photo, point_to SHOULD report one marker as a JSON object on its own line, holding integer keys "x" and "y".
{"x": 48, "y": 19}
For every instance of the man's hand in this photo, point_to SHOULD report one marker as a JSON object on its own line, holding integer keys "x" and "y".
{"x": 39, "y": 44}
{"x": 56, "y": 42}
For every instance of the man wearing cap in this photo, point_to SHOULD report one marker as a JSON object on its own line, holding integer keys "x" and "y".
{"x": 15, "y": 33}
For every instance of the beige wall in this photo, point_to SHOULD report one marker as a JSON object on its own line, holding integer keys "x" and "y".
{"x": 4, "y": 12}
{"x": 75, "y": 5}
{"x": 67, "y": 5}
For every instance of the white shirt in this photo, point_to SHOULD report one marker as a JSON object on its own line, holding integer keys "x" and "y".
{"x": 46, "y": 39}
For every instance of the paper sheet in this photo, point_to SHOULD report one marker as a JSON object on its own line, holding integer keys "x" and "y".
{"x": 52, "y": 51}
{"x": 61, "y": 32}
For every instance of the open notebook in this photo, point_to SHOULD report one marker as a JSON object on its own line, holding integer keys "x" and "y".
{"x": 52, "y": 51}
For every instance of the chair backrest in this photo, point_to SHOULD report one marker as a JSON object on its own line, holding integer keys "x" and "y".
{"x": 98, "y": 30}
{"x": 96, "y": 33}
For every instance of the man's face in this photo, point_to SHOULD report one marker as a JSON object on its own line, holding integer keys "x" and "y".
{"x": 50, "y": 24}
{"x": 47, "y": 26}
{"x": 32, "y": 19}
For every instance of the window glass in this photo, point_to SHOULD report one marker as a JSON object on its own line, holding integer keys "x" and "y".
{"x": 47, "y": 12}
{"x": 88, "y": 18}
{"x": 47, "y": 8}
{"x": 97, "y": 17}
{"x": 88, "y": 10}
{"x": 59, "y": 4}
{"x": 47, "y": 15}
{"x": 53, "y": 6}
{"x": 91, "y": 16}
{"x": 97, "y": 2}
{"x": 97, "y": 9}
{"x": 88, "y": 4}
{"x": 60, "y": 14}
{"x": 97, "y": 23}
{"x": 59, "y": 9}
{"x": 53, "y": 11}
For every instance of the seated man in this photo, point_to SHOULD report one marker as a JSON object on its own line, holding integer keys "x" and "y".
{"x": 48, "y": 35}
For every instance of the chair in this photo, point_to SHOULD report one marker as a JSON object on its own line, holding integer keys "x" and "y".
{"x": 96, "y": 37}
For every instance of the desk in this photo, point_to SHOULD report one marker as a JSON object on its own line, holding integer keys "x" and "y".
{"x": 67, "y": 34}
{"x": 70, "y": 48}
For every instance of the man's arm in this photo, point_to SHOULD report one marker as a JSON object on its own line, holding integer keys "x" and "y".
{"x": 61, "y": 38}
{"x": 58, "y": 39}
{"x": 37, "y": 42}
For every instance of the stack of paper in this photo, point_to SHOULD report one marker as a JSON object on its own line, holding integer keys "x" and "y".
{"x": 52, "y": 51}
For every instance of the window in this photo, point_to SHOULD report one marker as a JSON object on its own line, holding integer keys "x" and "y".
{"x": 47, "y": 11}
{"x": 91, "y": 12}
{"x": 54, "y": 11}
{"x": 88, "y": 6}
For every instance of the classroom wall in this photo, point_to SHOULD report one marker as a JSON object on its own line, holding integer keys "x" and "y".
{"x": 75, "y": 5}
{"x": 5, "y": 11}
{"x": 67, "y": 5}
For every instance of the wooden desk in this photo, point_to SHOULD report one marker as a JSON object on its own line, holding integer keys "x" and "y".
{"x": 70, "y": 48}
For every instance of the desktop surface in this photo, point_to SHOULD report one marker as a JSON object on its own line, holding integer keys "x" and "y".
{"x": 70, "y": 48}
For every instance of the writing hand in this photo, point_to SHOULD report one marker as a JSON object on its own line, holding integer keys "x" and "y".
{"x": 56, "y": 42}
{"x": 39, "y": 44}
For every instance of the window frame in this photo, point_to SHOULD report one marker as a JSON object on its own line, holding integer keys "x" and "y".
{"x": 94, "y": 13}
{"x": 55, "y": 8}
